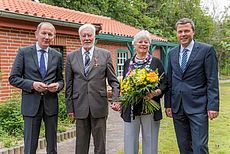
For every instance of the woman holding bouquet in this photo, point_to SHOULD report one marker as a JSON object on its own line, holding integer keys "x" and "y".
{"x": 133, "y": 114}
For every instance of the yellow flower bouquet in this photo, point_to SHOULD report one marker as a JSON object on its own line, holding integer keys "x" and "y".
{"x": 137, "y": 85}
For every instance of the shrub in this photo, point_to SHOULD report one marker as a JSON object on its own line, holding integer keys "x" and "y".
{"x": 62, "y": 114}
{"x": 63, "y": 121}
{"x": 11, "y": 120}
{"x": 11, "y": 129}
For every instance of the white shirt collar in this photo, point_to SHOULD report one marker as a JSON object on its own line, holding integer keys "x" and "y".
{"x": 189, "y": 47}
{"x": 90, "y": 51}
{"x": 39, "y": 48}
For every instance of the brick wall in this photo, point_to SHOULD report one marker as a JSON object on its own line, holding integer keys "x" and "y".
{"x": 11, "y": 39}
{"x": 112, "y": 47}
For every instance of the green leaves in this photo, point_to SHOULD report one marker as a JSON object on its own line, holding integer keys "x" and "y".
{"x": 11, "y": 128}
{"x": 10, "y": 118}
{"x": 150, "y": 106}
{"x": 11, "y": 121}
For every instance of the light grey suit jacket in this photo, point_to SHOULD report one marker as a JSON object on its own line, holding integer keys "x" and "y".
{"x": 25, "y": 71}
{"x": 89, "y": 94}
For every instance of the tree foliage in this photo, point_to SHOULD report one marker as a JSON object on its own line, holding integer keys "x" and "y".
{"x": 221, "y": 40}
{"x": 159, "y": 17}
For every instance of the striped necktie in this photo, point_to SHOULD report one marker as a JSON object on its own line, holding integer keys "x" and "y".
{"x": 184, "y": 59}
{"x": 87, "y": 62}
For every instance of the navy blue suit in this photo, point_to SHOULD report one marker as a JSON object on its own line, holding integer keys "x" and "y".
{"x": 36, "y": 106}
{"x": 191, "y": 94}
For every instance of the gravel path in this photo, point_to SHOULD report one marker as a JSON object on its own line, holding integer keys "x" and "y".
{"x": 114, "y": 137}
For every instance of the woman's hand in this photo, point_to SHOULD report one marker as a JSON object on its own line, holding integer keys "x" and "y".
{"x": 150, "y": 95}
{"x": 116, "y": 106}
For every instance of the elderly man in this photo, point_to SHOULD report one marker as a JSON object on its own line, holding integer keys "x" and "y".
{"x": 86, "y": 91}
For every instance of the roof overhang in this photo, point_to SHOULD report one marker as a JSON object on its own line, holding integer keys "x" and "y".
{"x": 129, "y": 39}
{"x": 114, "y": 38}
{"x": 34, "y": 18}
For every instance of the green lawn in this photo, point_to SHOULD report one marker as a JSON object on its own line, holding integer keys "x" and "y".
{"x": 219, "y": 130}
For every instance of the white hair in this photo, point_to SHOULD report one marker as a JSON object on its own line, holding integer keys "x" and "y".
{"x": 141, "y": 34}
{"x": 87, "y": 26}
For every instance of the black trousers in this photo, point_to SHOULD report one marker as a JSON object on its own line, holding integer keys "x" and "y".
{"x": 32, "y": 129}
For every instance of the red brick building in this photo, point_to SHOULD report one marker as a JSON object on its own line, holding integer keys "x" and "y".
{"x": 19, "y": 19}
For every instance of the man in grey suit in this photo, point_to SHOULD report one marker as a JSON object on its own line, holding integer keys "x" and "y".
{"x": 86, "y": 91}
{"x": 193, "y": 94}
{"x": 37, "y": 71}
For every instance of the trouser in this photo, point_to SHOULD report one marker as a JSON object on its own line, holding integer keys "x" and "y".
{"x": 191, "y": 132}
{"x": 84, "y": 128}
{"x": 150, "y": 131}
{"x": 32, "y": 129}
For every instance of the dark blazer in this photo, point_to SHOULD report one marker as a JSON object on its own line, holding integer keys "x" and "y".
{"x": 84, "y": 94}
{"x": 25, "y": 71}
{"x": 155, "y": 64}
{"x": 196, "y": 88}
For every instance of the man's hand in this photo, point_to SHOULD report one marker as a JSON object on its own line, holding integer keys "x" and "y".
{"x": 53, "y": 87}
{"x": 40, "y": 87}
{"x": 212, "y": 114}
{"x": 168, "y": 112}
{"x": 71, "y": 115}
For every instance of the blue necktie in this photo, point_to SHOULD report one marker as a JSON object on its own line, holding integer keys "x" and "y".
{"x": 42, "y": 67}
{"x": 87, "y": 62}
{"x": 184, "y": 59}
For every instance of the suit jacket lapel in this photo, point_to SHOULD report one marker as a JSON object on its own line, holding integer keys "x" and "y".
{"x": 175, "y": 60}
{"x": 92, "y": 62}
{"x": 176, "y": 55}
{"x": 192, "y": 55}
{"x": 79, "y": 59}
{"x": 50, "y": 57}
{"x": 35, "y": 56}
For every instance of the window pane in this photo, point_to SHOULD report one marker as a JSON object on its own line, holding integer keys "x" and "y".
{"x": 121, "y": 57}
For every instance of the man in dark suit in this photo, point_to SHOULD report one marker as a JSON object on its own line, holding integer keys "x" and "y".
{"x": 193, "y": 94}
{"x": 86, "y": 91}
{"x": 37, "y": 70}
